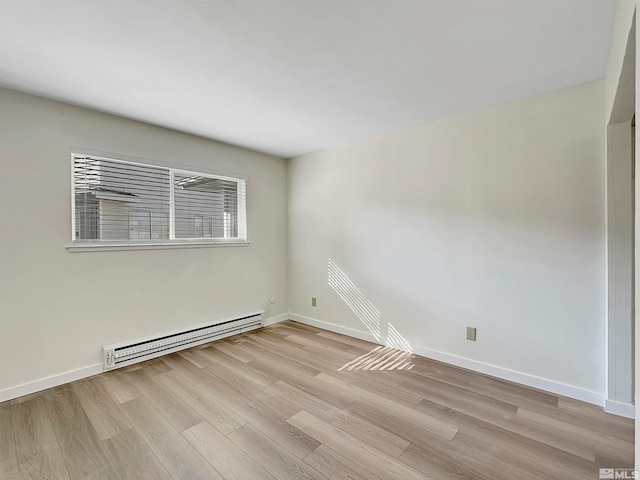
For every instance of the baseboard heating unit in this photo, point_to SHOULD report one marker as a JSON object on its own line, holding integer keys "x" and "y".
{"x": 123, "y": 354}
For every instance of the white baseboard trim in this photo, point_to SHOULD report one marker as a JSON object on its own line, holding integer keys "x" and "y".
{"x": 619, "y": 408}
{"x": 474, "y": 365}
{"x": 334, "y": 328}
{"x": 49, "y": 382}
{"x": 276, "y": 319}
{"x": 529, "y": 380}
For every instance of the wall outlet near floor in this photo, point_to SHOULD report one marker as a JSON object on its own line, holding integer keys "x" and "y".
{"x": 314, "y": 302}
{"x": 471, "y": 333}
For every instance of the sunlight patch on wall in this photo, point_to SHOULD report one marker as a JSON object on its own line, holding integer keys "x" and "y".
{"x": 355, "y": 300}
{"x": 381, "y": 358}
{"x": 397, "y": 352}
{"x": 395, "y": 340}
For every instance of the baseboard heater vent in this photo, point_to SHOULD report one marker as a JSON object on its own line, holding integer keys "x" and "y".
{"x": 120, "y": 355}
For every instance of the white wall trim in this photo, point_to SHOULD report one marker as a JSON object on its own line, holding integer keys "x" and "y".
{"x": 276, "y": 319}
{"x": 618, "y": 408}
{"x": 515, "y": 376}
{"x": 474, "y": 365}
{"x": 334, "y": 328}
{"x": 49, "y": 382}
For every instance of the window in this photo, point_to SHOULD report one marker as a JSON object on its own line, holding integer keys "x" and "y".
{"x": 120, "y": 202}
{"x": 148, "y": 225}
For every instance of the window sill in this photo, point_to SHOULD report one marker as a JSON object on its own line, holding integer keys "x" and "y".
{"x": 109, "y": 247}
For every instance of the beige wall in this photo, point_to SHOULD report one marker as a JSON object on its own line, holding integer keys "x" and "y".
{"x": 57, "y": 309}
{"x": 493, "y": 219}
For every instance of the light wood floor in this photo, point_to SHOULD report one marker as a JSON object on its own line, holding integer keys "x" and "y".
{"x": 292, "y": 401}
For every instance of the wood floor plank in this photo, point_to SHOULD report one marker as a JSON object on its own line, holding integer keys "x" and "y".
{"x": 532, "y": 425}
{"x": 527, "y": 462}
{"x": 334, "y": 397}
{"x": 153, "y": 367}
{"x": 201, "y": 402}
{"x": 277, "y": 337}
{"x": 263, "y": 355}
{"x": 103, "y": 412}
{"x": 164, "y": 400}
{"x": 119, "y": 388}
{"x": 446, "y": 461}
{"x": 257, "y": 376}
{"x": 223, "y": 455}
{"x": 9, "y": 469}
{"x": 364, "y": 455}
{"x": 258, "y": 412}
{"x": 592, "y": 419}
{"x": 386, "y": 380}
{"x": 615, "y": 453}
{"x": 307, "y": 356}
{"x": 351, "y": 341}
{"x": 234, "y": 378}
{"x": 172, "y": 450}
{"x": 7, "y": 439}
{"x": 508, "y": 445}
{"x": 470, "y": 403}
{"x": 232, "y": 350}
{"x": 276, "y": 460}
{"x": 375, "y": 436}
{"x": 570, "y": 429}
{"x": 424, "y": 368}
{"x": 412, "y": 428}
{"x": 81, "y": 447}
{"x": 192, "y": 356}
{"x": 285, "y": 329}
{"x": 38, "y": 453}
{"x": 606, "y": 462}
{"x": 584, "y": 408}
{"x": 511, "y": 393}
{"x": 297, "y": 326}
{"x": 369, "y": 364}
{"x": 363, "y": 385}
{"x": 314, "y": 341}
{"x": 134, "y": 459}
{"x": 481, "y": 450}
{"x": 386, "y": 410}
{"x": 188, "y": 370}
{"x": 336, "y": 467}
{"x": 226, "y": 390}
{"x": 279, "y": 431}
{"x": 283, "y": 406}
{"x": 377, "y": 384}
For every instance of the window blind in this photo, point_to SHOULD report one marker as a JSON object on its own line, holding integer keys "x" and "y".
{"x": 127, "y": 202}
{"x": 205, "y": 207}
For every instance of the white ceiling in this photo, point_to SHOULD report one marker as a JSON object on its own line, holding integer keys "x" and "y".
{"x": 288, "y": 77}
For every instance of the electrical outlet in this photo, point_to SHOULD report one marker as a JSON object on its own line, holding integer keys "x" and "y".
{"x": 314, "y": 301}
{"x": 471, "y": 333}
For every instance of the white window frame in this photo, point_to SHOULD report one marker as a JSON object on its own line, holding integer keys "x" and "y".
{"x": 172, "y": 241}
